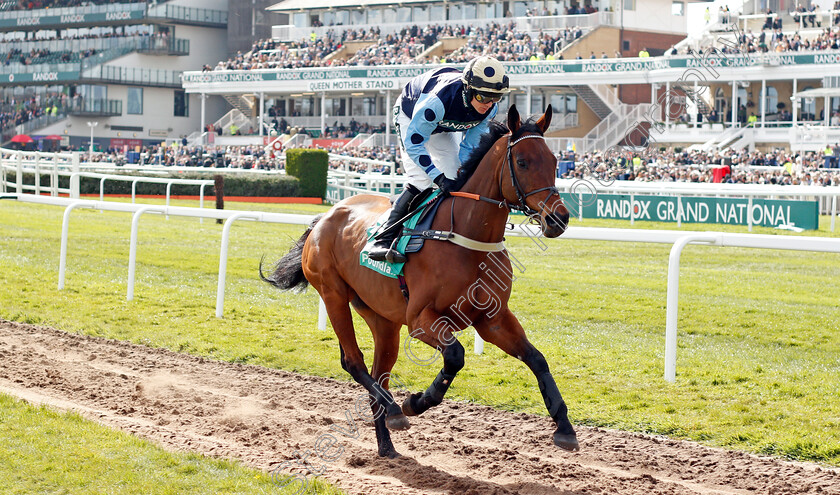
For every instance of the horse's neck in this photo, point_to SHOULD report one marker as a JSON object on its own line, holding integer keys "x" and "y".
{"x": 481, "y": 220}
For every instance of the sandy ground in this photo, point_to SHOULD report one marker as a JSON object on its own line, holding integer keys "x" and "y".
{"x": 266, "y": 417}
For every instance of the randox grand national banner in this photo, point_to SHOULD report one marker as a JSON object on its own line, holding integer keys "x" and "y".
{"x": 733, "y": 211}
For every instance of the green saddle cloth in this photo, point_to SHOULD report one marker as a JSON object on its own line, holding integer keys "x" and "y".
{"x": 392, "y": 270}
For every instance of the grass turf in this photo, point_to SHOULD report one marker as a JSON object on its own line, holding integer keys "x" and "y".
{"x": 757, "y": 365}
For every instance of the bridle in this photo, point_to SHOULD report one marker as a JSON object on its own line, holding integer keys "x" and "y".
{"x": 521, "y": 197}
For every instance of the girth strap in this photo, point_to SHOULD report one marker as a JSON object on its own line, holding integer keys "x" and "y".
{"x": 458, "y": 239}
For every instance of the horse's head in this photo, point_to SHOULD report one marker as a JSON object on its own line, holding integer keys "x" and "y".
{"x": 531, "y": 173}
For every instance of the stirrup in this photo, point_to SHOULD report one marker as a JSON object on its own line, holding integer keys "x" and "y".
{"x": 394, "y": 256}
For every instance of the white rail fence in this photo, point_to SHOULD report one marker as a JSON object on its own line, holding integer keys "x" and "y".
{"x": 678, "y": 239}
{"x": 137, "y": 210}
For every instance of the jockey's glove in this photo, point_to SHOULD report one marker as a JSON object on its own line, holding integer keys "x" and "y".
{"x": 445, "y": 184}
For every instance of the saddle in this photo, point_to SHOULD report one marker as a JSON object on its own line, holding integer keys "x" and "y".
{"x": 415, "y": 230}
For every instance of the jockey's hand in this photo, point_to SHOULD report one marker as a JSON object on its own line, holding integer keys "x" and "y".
{"x": 445, "y": 184}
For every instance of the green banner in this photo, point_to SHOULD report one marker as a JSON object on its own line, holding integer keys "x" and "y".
{"x": 345, "y": 75}
{"x": 733, "y": 211}
{"x": 33, "y": 19}
{"x": 35, "y": 77}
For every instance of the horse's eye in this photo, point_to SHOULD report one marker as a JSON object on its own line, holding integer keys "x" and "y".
{"x": 522, "y": 163}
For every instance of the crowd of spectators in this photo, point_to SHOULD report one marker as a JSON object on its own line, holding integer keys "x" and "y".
{"x": 269, "y": 54}
{"x": 775, "y": 41}
{"x": 507, "y": 44}
{"x": 403, "y": 47}
{"x": 778, "y": 167}
{"x": 17, "y": 111}
{"x": 43, "y": 56}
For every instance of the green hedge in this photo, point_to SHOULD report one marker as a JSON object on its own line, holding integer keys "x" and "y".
{"x": 280, "y": 186}
{"x": 310, "y": 166}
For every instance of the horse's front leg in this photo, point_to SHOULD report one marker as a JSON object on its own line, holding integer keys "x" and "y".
{"x": 436, "y": 331}
{"x": 505, "y": 332}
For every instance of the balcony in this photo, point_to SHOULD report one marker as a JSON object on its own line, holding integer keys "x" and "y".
{"x": 129, "y": 75}
{"x": 95, "y": 108}
{"x": 165, "y": 46}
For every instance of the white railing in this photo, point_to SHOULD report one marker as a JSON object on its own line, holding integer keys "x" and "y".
{"x": 679, "y": 240}
{"x": 356, "y": 141}
{"x": 609, "y": 131}
{"x": 233, "y": 117}
{"x": 138, "y": 210}
{"x": 607, "y": 94}
{"x": 563, "y": 121}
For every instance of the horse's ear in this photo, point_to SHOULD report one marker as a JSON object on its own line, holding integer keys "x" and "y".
{"x": 544, "y": 121}
{"x": 513, "y": 119}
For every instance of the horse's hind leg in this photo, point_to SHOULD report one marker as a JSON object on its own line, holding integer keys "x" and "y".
{"x": 336, "y": 299}
{"x": 386, "y": 344}
{"x": 505, "y": 332}
{"x": 433, "y": 330}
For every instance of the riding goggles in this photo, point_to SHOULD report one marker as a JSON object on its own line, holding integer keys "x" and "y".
{"x": 487, "y": 97}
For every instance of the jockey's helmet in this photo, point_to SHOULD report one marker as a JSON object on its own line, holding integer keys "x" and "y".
{"x": 486, "y": 75}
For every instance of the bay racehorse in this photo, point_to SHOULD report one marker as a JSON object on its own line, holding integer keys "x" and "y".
{"x": 449, "y": 286}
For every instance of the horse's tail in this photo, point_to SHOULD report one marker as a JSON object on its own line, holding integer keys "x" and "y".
{"x": 288, "y": 272}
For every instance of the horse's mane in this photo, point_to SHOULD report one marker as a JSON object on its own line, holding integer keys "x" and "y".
{"x": 488, "y": 139}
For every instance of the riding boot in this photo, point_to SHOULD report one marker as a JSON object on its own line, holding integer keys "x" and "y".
{"x": 384, "y": 249}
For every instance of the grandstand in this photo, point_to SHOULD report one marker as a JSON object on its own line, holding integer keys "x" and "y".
{"x": 105, "y": 71}
{"x": 615, "y": 73}
{"x": 732, "y": 85}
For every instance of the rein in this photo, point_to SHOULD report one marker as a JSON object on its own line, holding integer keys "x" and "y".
{"x": 521, "y": 197}
{"x": 521, "y": 206}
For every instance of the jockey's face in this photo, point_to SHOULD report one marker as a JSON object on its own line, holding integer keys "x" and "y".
{"x": 481, "y": 108}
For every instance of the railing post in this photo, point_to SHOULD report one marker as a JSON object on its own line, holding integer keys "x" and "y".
{"x": 673, "y": 299}
{"x": 132, "y": 250}
{"x": 322, "y": 314}
{"x": 220, "y": 291}
{"x": 74, "y": 178}
{"x": 37, "y": 173}
{"x": 65, "y": 228}
{"x": 19, "y": 176}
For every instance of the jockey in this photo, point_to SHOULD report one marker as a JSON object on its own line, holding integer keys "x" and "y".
{"x": 439, "y": 117}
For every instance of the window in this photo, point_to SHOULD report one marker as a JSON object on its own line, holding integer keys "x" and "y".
{"x": 421, "y": 14}
{"x": 558, "y": 103}
{"x": 629, "y": 4}
{"x": 135, "y": 101}
{"x": 808, "y": 106}
{"x": 677, "y": 8}
{"x": 403, "y": 14}
{"x": 389, "y": 16}
{"x": 437, "y": 12}
{"x": 571, "y": 103}
{"x": 374, "y": 16}
{"x": 182, "y": 104}
{"x": 720, "y": 101}
{"x": 537, "y": 104}
{"x": 455, "y": 11}
{"x": 771, "y": 99}
{"x": 470, "y": 11}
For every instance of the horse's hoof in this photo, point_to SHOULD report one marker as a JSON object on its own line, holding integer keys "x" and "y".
{"x": 397, "y": 422}
{"x": 390, "y": 454}
{"x": 566, "y": 442}
{"x": 406, "y": 406}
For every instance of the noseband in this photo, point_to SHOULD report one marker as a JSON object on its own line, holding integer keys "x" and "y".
{"x": 521, "y": 197}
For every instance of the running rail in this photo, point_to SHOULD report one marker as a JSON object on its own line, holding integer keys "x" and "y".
{"x": 678, "y": 239}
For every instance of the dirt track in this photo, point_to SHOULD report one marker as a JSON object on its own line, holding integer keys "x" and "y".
{"x": 263, "y": 416}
